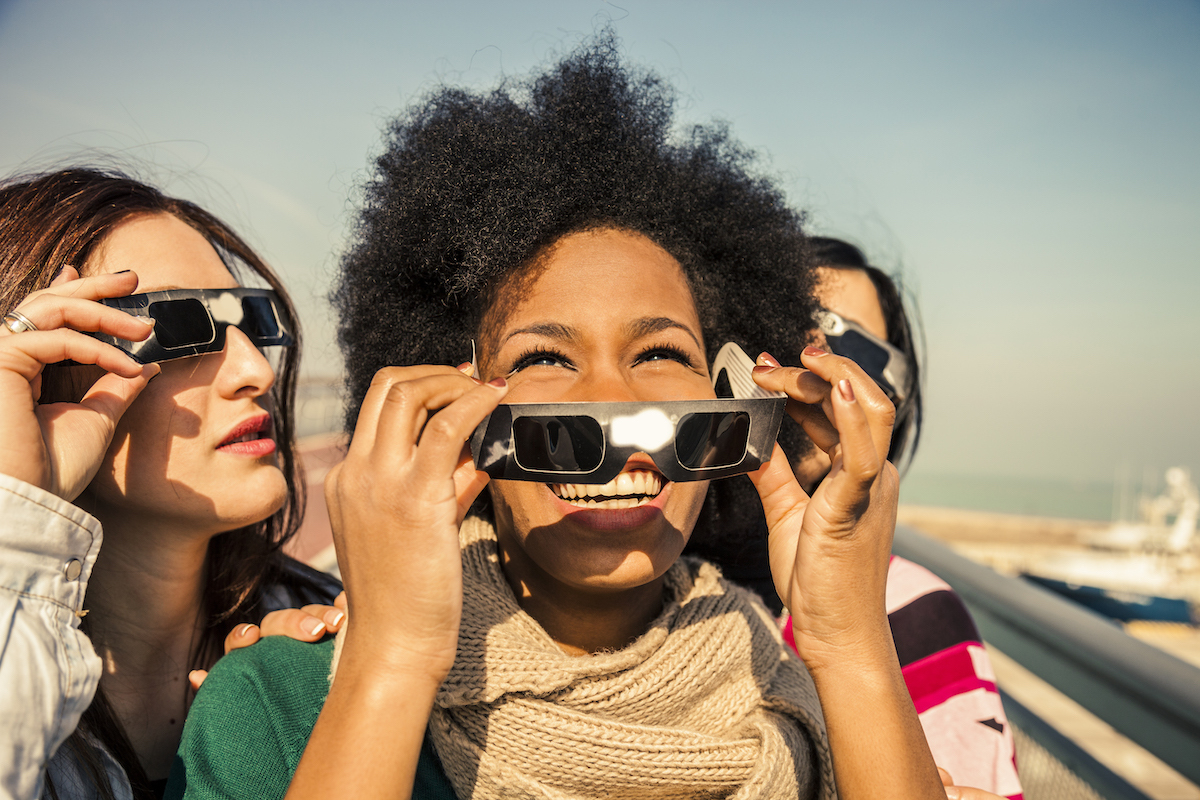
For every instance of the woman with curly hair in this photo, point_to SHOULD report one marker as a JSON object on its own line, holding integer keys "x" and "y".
{"x": 535, "y": 638}
{"x": 143, "y": 503}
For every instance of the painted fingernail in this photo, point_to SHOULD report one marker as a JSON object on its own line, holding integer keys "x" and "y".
{"x": 847, "y": 390}
{"x": 334, "y": 618}
{"x": 765, "y": 359}
{"x": 465, "y": 368}
{"x": 499, "y": 383}
{"x": 760, "y": 369}
{"x": 312, "y": 626}
{"x": 814, "y": 351}
{"x": 243, "y": 629}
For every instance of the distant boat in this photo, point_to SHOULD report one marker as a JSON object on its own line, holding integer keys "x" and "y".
{"x": 1148, "y": 570}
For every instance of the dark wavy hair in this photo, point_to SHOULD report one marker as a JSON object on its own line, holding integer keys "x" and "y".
{"x": 902, "y": 334}
{"x": 60, "y": 218}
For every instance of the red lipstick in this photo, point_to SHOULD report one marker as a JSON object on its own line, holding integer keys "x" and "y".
{"x": 250, "y": 438}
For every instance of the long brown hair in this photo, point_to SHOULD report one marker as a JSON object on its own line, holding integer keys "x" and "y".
{"x": 57, "y": 219}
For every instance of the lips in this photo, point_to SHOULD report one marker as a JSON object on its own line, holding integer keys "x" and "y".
{"x": 250, "y": 438}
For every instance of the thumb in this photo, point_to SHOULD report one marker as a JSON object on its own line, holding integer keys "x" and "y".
{"x": 112, "y": 395}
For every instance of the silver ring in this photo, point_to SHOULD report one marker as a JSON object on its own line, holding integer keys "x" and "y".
{"x": 17, "y": 322}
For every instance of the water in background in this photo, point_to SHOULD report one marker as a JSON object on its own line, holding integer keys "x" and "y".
{"x": 1043, "y": 498}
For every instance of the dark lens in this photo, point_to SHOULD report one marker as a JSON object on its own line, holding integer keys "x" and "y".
{"x": 867, "y": 354}
{"x": 181, "y": 323}
{"x": 558, "y": 444}
{"x": 259, "y": 320}
{"x": 710, "y": 440}
{"x": 862, "y": 351}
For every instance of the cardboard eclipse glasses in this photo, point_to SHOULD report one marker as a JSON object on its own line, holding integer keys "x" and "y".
{"x": 689, "y": 440}
{"x": 190, "y": 322}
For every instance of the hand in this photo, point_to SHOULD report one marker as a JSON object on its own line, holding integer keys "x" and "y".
{"x": 305, "y": 624}
{"x": 963, "y": 792}
{"x": 59, "y": 446}
{"x": 829, "y": 554}
{"x": 395, "y": 505}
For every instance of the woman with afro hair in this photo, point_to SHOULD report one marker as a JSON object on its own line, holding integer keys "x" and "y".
{"x": 510, "y": 638}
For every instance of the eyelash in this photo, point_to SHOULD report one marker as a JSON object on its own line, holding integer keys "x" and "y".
{"x": 530, "y": 357}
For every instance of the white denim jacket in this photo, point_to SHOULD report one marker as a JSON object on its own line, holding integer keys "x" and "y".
{"x": 48, "y": 669}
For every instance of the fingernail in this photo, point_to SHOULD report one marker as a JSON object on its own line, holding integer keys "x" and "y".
{"x": 312, "y": 626}
{"x": 953, "y": 793}
{"x": 814, "y": 351}
{"x": 760, "y": 369}
{"x": 767, "y": 360}
{"x": 335, "y": 618}
{"x": 499, "y": 383}
{"x": 847, "y": 390}
{"x": 466, "y": 368}
{"x": 243, "y": 629}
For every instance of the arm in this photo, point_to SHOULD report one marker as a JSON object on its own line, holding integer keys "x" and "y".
{"x": 48, "y": 670}
{"x": 829, "y": 556}
{"x": 396, "y": 504}
{"x": 48, "y": 453}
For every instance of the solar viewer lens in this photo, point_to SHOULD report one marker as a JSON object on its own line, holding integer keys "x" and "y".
{"x": 181, "y": 323}
{"x": 567, "y": 444}
{"x": 259, "y": 319}
{"x": 712, "y": 440}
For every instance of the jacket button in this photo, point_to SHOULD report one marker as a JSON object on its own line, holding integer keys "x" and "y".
{"x": 72, "y": 569}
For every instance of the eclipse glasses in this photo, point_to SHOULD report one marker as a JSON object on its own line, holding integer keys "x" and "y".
{"x": 688, "y": 440}
{"x": 190, "y": 322}
{"x": 882, "y": 361}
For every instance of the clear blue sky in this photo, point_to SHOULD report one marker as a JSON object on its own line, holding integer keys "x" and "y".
{"x": 1032, "y": 168}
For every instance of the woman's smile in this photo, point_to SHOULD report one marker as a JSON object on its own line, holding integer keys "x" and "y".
{"x": 640, "y": 341}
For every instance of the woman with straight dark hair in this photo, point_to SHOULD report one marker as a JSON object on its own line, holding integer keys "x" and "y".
{"x": 185, "y": 461}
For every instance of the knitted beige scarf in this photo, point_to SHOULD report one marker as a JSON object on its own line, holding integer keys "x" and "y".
{"x": 707, "y": 703}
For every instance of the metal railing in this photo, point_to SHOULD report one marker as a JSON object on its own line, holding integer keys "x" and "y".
{"x": 1149, "y": 696}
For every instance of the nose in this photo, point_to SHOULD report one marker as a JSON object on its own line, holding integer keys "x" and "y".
{"x": 245, "y": 371}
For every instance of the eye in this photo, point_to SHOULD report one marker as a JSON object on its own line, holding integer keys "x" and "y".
{"x": 540, "y": 358}
{"x": 665, "y": 352}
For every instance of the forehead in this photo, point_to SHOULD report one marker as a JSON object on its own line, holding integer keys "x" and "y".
{"x": 165, "y": 252}
{"x": 602, "y": 278}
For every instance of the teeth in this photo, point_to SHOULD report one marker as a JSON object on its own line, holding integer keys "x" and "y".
{"x": 627, "y": 490}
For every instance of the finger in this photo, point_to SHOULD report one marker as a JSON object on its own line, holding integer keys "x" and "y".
{"x": 947, "y": 780}
{"x": 860, "y": 458}
{"x": 340, "y": 601}
{"x": 468, "y": 482}
{"x": 366, "y": 429}
{"x": 881, "y": 414}
{"x": 407, "y": 420}
{"x": 65, "y": 274}
{"x": 332, "y": 616}
{"x": 243, "y": 635}
{"x": 294, "y": 623}
{"x": 196, "y": 677}
{"x": 781, "y": 494}
{"x": 93, "y": 287}
{"x": 27, "y": 353}
{"x": 111, "y": 396}
{"x": 816, "y": 424}
{"x": 442, "y": 439}
{"x": 49, "y": 311}
{"x": 800, "y": 384}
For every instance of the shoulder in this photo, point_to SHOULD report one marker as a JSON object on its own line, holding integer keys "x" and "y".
{"x": 296, "y": 585}
{"x": 250, "y": 721}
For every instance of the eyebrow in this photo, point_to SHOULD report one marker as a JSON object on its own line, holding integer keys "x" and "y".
{"x": 634, "y": 330}
{"x": 649, "y": 325}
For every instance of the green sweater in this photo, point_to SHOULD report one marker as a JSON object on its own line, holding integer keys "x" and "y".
{"x": 252, "y": 718}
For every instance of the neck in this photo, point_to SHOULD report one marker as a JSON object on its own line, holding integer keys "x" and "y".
{"x": 146, "y": 617}
{"x": 582, "y": 620}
